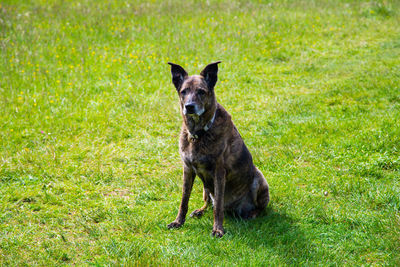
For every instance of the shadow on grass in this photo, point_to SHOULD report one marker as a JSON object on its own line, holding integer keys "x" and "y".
{"x": 275, "y": 232}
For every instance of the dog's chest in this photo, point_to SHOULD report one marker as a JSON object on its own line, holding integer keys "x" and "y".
{"x": 198, "y": 160}
{"x": 202, "y": 164}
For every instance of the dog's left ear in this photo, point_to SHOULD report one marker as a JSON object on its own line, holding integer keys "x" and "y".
{"x": 210, "y": 74}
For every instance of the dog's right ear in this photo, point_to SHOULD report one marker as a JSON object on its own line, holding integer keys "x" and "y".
{"x": 178, "y": 75}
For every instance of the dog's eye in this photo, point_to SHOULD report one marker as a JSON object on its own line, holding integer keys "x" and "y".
{"x": 201, "y": 92}
{"x": 184, "y": 91}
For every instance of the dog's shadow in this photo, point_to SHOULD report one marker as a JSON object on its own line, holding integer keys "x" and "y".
{"x": 273, "y": 231}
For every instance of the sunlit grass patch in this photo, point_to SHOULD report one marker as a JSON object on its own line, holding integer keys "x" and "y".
{"x": 89, "y": 165}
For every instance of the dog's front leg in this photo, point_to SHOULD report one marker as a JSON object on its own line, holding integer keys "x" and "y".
{"x": 188, "y": 178}
{"x": 219, "y": 190}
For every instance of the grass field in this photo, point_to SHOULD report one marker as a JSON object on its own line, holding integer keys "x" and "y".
{"x": 89, "y": 167}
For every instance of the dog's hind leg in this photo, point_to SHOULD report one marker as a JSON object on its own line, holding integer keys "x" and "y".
{"x": 260, "y": 194}
{"x": 262, "y": 199}
{"x": 206, "y": 197}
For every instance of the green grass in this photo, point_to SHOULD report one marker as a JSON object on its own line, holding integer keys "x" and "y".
{"x": 89, "y": 167}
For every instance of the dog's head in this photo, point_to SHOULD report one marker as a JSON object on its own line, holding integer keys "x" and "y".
{"x": 196, "y": 92}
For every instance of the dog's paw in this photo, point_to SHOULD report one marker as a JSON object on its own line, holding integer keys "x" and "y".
{"x": 218, "y": 232}
{"x": 174, "y": 224}
{"x": 197, "y": 213}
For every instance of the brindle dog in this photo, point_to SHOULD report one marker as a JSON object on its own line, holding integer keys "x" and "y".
{"x": 212, "y": 148}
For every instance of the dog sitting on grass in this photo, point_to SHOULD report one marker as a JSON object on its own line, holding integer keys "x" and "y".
{"x": 212, "y": 148}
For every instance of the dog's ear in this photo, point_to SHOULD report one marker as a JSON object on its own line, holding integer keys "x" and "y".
{"x": 178, "y": 75}
{"x": 210, "y": 74}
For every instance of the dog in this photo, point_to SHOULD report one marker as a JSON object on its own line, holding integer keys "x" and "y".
{"x": 212, "y": 148}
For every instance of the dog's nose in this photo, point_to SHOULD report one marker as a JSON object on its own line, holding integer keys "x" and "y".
{"x": 190, "y": 108}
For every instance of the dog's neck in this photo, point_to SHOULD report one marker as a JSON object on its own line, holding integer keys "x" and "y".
{"x": 197, "y": 126}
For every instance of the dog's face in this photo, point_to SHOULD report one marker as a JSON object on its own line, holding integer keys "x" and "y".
{"x": 196, "y": 93}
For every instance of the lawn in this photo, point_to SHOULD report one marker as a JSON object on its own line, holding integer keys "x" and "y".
{"x": 90, "y": 172}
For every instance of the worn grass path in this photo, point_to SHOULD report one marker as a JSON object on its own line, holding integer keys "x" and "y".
{"x": 89, "y": 121}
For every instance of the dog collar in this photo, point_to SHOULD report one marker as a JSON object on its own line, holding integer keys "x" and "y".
{"x": 201, "y": 132}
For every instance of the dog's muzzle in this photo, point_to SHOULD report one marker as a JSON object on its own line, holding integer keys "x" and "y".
{"x": 192, "y": 109}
